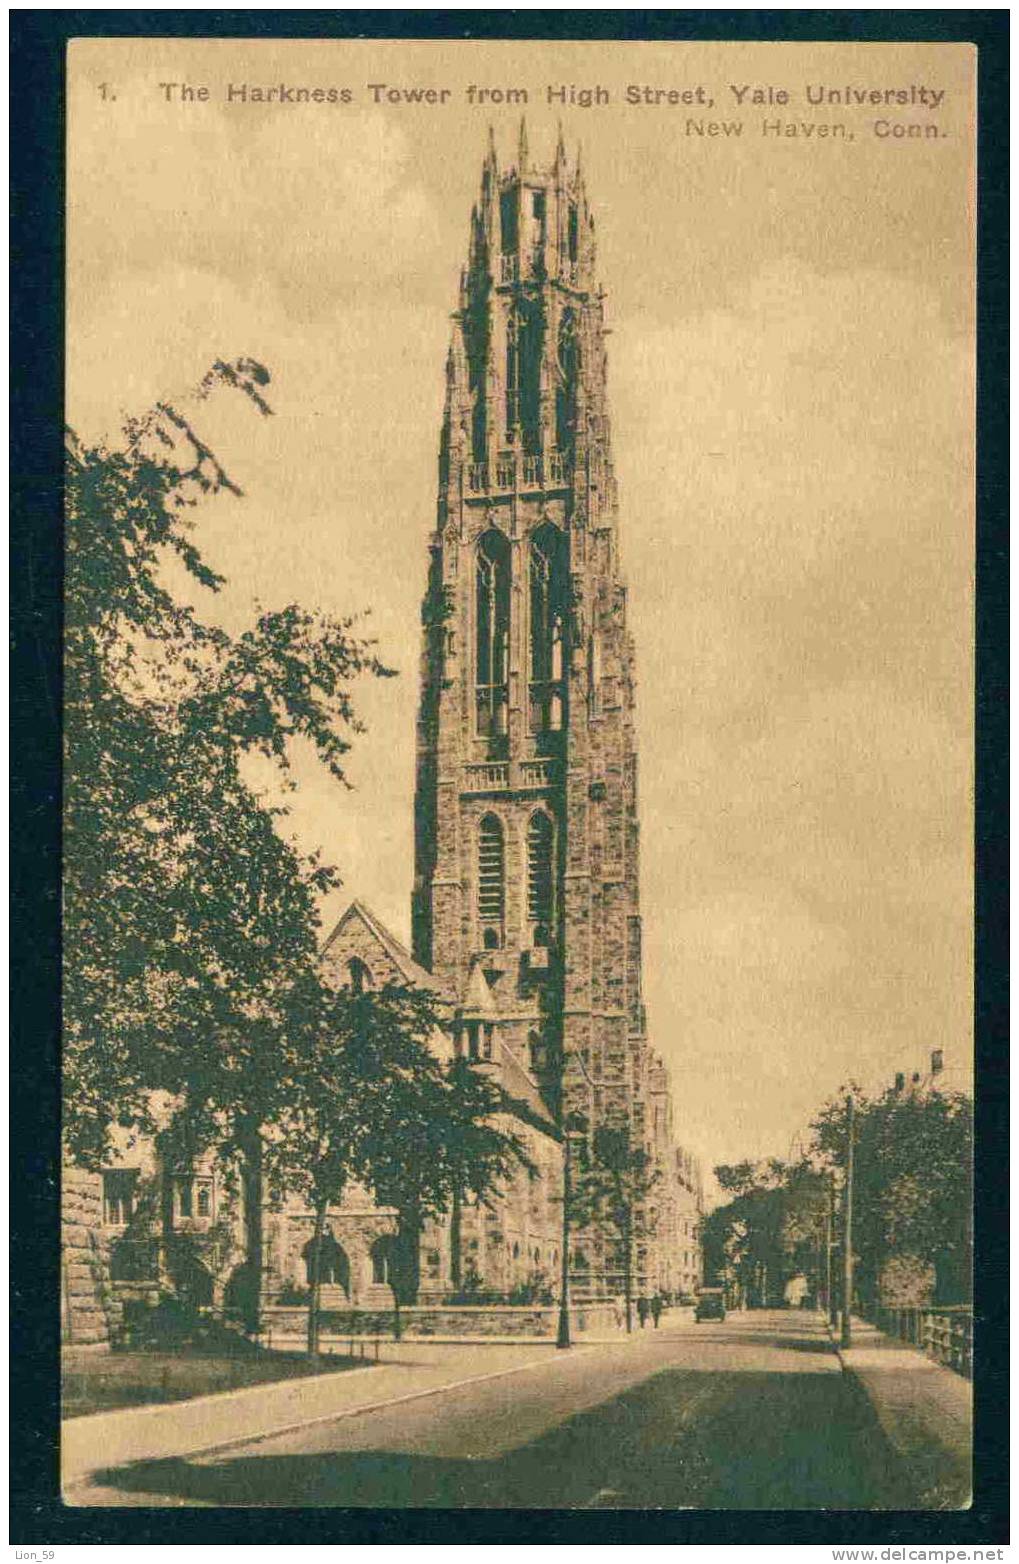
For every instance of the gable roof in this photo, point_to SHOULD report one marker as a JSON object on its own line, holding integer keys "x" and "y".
{"x": 520, "y": 1087}
{"x": 398, "y": 954}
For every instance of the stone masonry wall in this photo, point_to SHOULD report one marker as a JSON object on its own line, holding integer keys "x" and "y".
{"x": 533, "y": 1322}
{"x": 89, "y": 1311}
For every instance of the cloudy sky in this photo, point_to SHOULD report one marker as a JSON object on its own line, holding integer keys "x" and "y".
{"x": 791, "y": 374}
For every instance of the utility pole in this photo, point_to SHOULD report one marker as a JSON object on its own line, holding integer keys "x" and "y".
{"x": 846, "y": 1338}
{"x": 563, "y": 1334}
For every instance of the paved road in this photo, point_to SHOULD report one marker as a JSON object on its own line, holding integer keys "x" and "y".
{"x": 750, "y": 1413}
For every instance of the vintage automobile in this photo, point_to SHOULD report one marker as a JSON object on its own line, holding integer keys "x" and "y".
{"x": 710, "y": 1304}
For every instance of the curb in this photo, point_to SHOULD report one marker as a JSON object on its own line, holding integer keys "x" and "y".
{"x": 240, "y": 1393}
{"x": 84, "y": 1481}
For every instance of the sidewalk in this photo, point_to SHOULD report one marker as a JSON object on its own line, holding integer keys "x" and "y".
{"x": 925, "y": 1412}
{"x": 409, "y": 1370}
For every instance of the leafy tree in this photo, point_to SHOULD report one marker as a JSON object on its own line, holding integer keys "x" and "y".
{"x": 368, "y": 1101}
{"x": 190, "y": 923}
{"x": 612, "y": 1185}
{"x": 768, "y": 1231}
{"x": 913, "y": 1189}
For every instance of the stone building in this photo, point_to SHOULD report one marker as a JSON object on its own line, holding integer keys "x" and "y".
{"x": 526, "y": 903}
{"x": 152, "y": 1223}
{"x": 504, "y": 1244}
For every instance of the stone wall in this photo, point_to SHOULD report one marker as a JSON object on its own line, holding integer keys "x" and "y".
{"x": 89, "y": 1309}
{"x": 535, "y": 1322}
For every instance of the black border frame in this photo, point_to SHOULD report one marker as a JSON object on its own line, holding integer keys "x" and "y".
{"x": 38, "y": 1519}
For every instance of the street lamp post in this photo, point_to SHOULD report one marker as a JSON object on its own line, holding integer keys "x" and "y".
{"x": 830, "y": 1302}
{"x": 846, "y": 1335}
{"x": 563, "y": 1333}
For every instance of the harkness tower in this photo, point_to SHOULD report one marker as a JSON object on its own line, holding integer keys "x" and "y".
{"x": 526, "y": 889}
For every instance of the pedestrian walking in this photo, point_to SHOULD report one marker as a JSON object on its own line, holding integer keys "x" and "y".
{"x": 656, "y": 1308}
{"x": 643, "y": 1309}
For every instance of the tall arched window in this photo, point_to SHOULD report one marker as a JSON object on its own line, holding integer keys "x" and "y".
{"x": 567, "y": 376}
{"x": 548, "y": 629}
{"x": 492, "y": 615}
{"x": 383, "y": 1257}
{"x": 491, "y": 880}
{"x": 541, "y": 876}
{"x": 524, "y": 347}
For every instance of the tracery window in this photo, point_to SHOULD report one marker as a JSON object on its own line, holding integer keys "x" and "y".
{"x": 119, "y": 1196}
{"x": 548, "y": 629}
{"x": 478, "y": 1041}
{"x": 567, "y": 376}
{"x": 383, "y": 1258}
{"x": 508, "y": 223}
{"x": 525, "y": 332}
{"x": 492, "y": 615}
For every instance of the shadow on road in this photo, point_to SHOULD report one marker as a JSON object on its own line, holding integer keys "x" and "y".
{"x": 726, "y": 1335}
{"x": 740, "y": 1441}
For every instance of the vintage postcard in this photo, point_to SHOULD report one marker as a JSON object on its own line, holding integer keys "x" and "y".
{"x": 519, "y": 806}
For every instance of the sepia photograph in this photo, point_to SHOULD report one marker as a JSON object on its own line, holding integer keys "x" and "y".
{"x": 518, "y": 802}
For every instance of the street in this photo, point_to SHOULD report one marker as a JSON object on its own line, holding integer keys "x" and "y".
{"x": 749, "y": 1413}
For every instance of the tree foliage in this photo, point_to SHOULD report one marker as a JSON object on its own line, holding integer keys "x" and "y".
{"x": 190, "y": 923}
{"x": 368, "y": 1099}
{"x": 769, "y": 1230}
{"x": 614, "y": 1178}
{"x": 913, "y": 1183}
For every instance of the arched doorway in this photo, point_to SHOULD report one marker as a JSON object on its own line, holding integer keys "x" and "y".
{"x": 192, "y": 1283}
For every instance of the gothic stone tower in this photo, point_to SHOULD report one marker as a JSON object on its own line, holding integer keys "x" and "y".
{"x": 526, "y": 886}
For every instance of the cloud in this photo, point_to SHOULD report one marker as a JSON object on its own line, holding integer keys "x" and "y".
{"x": 268, "y": 195}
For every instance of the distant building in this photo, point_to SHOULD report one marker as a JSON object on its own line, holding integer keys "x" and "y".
{"x": 934, "y": 1074}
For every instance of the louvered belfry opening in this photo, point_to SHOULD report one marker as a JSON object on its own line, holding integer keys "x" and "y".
{"x": 491, "y": 880}
{"x": 541, "y": 877}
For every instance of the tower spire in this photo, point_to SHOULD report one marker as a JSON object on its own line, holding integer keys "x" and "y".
{"x": 522, "y": 152}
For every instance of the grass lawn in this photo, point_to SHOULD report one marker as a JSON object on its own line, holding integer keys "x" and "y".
{"x": 100, "y": 1381}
